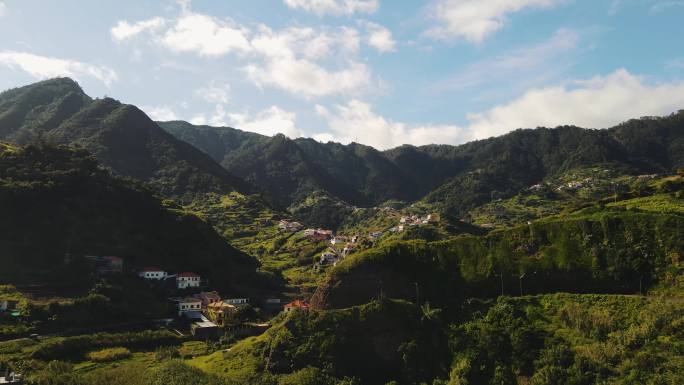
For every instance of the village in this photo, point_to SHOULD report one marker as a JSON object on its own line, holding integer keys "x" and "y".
{"x": 340, "y": 246}
{"x": 197, "y": 309}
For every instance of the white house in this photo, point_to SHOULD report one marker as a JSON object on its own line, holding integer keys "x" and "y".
{"x": 152, "y": 273}
{"x": 236, "y": 301}
{"x": 8, "y": 304}
{"x": 187, "y": 279}
{"x": 189, "y": 304}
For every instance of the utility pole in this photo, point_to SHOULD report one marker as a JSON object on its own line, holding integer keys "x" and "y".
{"x": 502, "y": 290}
{"x": 521, "y": 278}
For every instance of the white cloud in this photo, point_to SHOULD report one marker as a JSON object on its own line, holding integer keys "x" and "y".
{"x": 599, "y": 102}
{"x": 474, "y": 20}
{"x": 271, "y": 121}
{"x": 124, "y": 30}
{"x": 305, "y": 42}
{"x": 214, "y": 93}
{"x": 43, "y": 67}
{"x": 357, "y": 122}
{"x": 308, "y": 79}
{"x": 379, "y": 37}
{"x": 160, "y": 113}
{"x": 199, "y": 120}
{"x": 205, "y": 35}
{"x": 304, "y": 61}
{"x": 290, "y": 61}
{"x": 335, "y": 7}
{"x": 3, "y": 9}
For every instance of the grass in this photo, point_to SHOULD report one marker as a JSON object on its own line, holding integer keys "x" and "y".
{"x": 660, "y": 203}
{"x": 109, "y": 354}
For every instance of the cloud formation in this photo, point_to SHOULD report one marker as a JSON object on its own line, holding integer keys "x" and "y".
{"x": 303, "y": 61}
{"x": 475, "y": 20}
{"x": 356, "y": 121}
{"x": 271, "y": 121}
{"x": 124, "y": 30}
{"x": 214, "y": 93}
{"x": 379, "y": 37}
{"x": 160, "y": 113}
{"x": 44, "y": 67}
{"x": 598, "y": 102}
{"x": 205, "y": 35}
{"x": 335, "y": 7}
{"x": 3, "y": 9}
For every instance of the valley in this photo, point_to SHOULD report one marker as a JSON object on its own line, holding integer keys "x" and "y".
{"x": 139, "y": 252}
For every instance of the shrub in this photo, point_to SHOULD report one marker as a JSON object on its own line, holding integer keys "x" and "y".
{"x": 109, "y": 355}
{"x": 166, "y": 353}
{"x": 76, "y": 346}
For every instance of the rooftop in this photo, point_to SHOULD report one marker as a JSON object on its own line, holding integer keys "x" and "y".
{"x": 298, "y": 304}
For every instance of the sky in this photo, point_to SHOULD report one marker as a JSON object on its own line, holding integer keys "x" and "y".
{"x": 378, "y": 72}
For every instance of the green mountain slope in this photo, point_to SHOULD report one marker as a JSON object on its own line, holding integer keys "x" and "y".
{"x": 454, "y": 178}
{"x": 592, "y": 251}
{"x": 58, "y": 200}
{"x": 121, "y": 136}
{"x": 290, "y": 170}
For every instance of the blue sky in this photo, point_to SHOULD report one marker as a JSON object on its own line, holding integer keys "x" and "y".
{"x": 379, "y": 72}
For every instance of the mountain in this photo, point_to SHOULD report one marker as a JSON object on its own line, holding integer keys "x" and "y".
{"x": 121, "y": 137}
{"x": 455, "y": 178}
{"x": 291, "y": 170}
{"x": 57, "y": 200}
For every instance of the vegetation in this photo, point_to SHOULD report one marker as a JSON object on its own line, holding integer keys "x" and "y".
{"x": 57, "y": 202}
{"x": 109, "y": 355}
{"x": 120, "y": 136}
{"x": 594, "y": 250}
{"x": 556, "y": 259}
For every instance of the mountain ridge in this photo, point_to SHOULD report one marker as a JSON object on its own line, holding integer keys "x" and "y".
{"x": 364, "y": 176}
{"x": 121, "y": 136}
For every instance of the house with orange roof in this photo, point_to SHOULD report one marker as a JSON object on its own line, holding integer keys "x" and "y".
{"x": 296, "y": 305}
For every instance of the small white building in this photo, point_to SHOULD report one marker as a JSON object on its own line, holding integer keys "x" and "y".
{"x": 8, "y": 304}
{"x": 236, "y": 301}
{"x": 152, "y": 273}
{"x": 189, "y": 304}
{"x": 187, "y": 279}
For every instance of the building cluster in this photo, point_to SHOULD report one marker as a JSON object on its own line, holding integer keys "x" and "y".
{"x": 184, "y": 280}
{"x": 414, "y": 220}
{"x": 291, "y": 226}
{"x": 318, "y": 234}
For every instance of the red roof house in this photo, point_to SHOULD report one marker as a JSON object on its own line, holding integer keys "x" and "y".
{"x": 297, "y": 304}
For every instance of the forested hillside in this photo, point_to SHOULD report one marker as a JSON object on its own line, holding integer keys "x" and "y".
{"x": 455, "y": 178}
{"x": 120, "y": 136}
{"x": 57, "y": 201}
